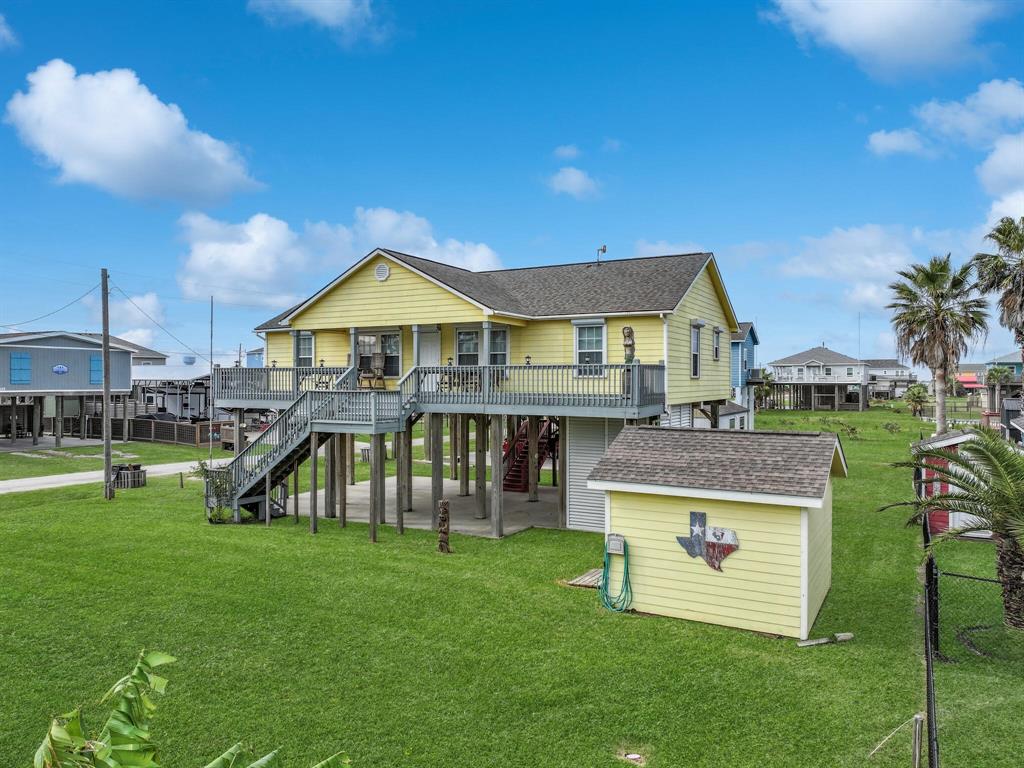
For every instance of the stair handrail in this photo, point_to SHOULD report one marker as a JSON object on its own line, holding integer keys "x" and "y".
{"x": 409, "y": 389}
{"x": 278, "y": 428}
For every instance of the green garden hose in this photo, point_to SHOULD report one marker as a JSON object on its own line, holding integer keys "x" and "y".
{"x": 622, "y": 600}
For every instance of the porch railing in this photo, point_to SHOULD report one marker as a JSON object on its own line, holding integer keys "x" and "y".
{"x": 578, "y": 386}
{"x": 284, "y": 384}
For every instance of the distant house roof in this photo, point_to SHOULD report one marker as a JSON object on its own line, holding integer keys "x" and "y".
{"x": 745, "y": 329}
{"x": 1011, "y": 357}
{"x": 254, "y": 351}
{"x": 1018, "y": 424}
{"x": 649, "y": 284}
{"x": 137, "y": 349}
{"x": 790, "y": 464}
{"x": 943, "y": 441}
{"x": 731, "y": 409}
{"x": 92, "y": 338}
{"x": 884, "y": 362}
{"x": 822, "y": 355}
{"x": 972, "y": 367}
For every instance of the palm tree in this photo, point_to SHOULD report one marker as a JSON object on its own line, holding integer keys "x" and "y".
{"x": 986, "y": 481}
{"x": 1003, "y": 273}
{"x": 998, "y": 375}
{"x": 916, "y": 397}
{"x": 763, "y": 391}
{"x": 936, "y": 312}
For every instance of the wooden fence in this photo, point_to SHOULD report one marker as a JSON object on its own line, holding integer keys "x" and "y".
{"x": 156, "y": 431}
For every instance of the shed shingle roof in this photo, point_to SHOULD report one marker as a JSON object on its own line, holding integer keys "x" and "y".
{"x": 822, "y": 355}
{"x": 777, "y": 463}
{"x": 648, "y": 284}
{"x": 741, "y": 334}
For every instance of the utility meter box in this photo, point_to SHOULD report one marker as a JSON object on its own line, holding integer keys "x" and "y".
{"x": 616, "y": 544}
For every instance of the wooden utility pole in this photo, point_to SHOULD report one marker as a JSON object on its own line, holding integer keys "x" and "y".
{"x": 108, "y": 484}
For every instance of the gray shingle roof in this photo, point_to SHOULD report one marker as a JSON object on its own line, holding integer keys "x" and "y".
{"x": 741, "y": 334}
{"x": 649, "y": 284}
{"x": 1009, "y": 357}
{"x": 934, "y": 440}
{"x": 274, "y": 323}
{"x": 1018, "y": 424}
{"x": 823, "y": 355}
{"x": 779, "y": 463}
{"x": 884, "y": 362}
{"x": 136, "y": 349}
{"x": 730, "y": 409}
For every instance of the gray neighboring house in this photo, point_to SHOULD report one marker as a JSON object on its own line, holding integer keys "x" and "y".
{"x": 820, "y": 379}
{"x": 888, "y": 378}
{"x": 48, "y": 370}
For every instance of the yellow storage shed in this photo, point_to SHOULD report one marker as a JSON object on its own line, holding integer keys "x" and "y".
{"x": 721, "y": 526}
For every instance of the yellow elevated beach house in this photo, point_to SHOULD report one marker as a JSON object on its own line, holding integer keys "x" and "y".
{"x": 548, "y": 363}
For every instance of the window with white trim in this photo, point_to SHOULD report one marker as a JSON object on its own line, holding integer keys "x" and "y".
{"x": 716, "y": 344}
{"x": 304, "y": 350}
{"x": 849, "y": 371}
{"x": 499, "y": 346}
{"x": 695, "y": 351}
{"x": 828, "y": 371}
{"x": 743, "y": 422}
{"x": 589, "y": 349}
{"x": 467, "y": 348}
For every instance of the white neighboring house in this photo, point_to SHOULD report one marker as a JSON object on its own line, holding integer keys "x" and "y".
{"x": 821, "y": 379}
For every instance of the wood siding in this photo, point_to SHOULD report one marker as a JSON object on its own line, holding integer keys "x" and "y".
{"x": 279, "y": 349}
{"x": 759, "y": 585}
{"x": 702, "y": 303}
{"x": 819, "y": 555}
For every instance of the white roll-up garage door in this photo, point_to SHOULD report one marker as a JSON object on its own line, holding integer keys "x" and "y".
{"x": 586, "y": 443}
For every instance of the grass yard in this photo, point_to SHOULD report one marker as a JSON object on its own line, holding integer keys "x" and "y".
{"x": 85, "y": 458}
{"x": 404, "y": 657}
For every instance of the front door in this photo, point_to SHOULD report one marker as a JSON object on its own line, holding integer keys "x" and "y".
{"x": 430, "y": 354}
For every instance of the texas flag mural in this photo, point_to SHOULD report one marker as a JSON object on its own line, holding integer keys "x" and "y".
{"x": 712, "y": 544}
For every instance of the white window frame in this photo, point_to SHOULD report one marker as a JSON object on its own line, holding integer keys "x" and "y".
{"x": 716, "y": 344}
{"x": 695, "y": 355}
{"x": 377, "y": 333}
{"x": 479, "y": 344}
{"x": 490, "y": 349}
{"x": 743, "y": 422}
{"x": 828, "y": 370}
{"x": 849, "y": 370}
{"x": 578, "y": 367}
{"x": 312, "y": 349}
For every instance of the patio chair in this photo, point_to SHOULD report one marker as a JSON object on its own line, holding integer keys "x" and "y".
{"x": 375, "y": 375}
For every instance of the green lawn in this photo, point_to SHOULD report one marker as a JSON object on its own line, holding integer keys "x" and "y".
{"x": 88, "y": 458}
{"x": 404, "y": 657}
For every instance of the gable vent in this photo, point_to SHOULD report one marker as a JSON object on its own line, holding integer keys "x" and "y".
{"x": 381, "y": 272}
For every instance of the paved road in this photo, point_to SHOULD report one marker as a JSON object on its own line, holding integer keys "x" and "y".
{"x": 93, "y": 476}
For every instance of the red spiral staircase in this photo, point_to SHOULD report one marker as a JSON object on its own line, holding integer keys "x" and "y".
{"x": 517, "y": 455}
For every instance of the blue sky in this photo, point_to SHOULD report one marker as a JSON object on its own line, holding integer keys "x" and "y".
{"x": 253, "y": 150}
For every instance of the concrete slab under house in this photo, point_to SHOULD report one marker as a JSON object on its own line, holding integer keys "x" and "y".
{"x": 725, "y": 527}
{"x": 525, "y": 366}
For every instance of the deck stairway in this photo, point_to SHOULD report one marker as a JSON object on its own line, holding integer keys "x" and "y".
{"x": 274, "y": 453}
{"x": 517, "y": 455}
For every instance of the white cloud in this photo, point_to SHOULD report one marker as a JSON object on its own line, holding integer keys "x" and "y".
{"x": 7, "y": 37}
{"x": 665, "y": 247}
{"x": 890, "y": 39}
{"x": 109, "y": 130}
{"x": 142, "y": 336}
{"x": 566, "y": 151}
{"x": 263, "y": 260}
{"x": 997, "y": 106}
{"x": 611, "y": 145}
{"x": 1002, "y": 172}
{"x": 351, "y": 19}
{"x": 904, "y": 141}
{"x": 128, "y": 316}
{"x": 573, "y": 181}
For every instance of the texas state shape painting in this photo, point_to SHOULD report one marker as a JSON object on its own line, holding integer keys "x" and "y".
{"x": 712, "y": 544}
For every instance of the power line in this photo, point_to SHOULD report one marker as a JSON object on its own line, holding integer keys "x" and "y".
{"x": 158, "y": 325}
{"x": 14, "y": 326}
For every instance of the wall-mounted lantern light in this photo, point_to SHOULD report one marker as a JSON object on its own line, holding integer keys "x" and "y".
{"x": 527, "y": 359}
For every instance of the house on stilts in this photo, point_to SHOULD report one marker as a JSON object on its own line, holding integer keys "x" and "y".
{"x": 540, "y": 366}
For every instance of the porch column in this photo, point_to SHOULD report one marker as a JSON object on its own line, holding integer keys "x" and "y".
{"x": 463, "y": 454}
{"x": 554, "y": 461}
{"x": 268, "y": 490}
{"x": 436, "y": 466}
{"x": 295, "y": 495}
{"x": 532, "y": 456}
{"x": 314, "y": 448}
{"x": 400, "y": 489}
{"x": 353, "y": 334}
{"x": 454, "y": 432}
{"x": 37, "y": 419}
{"x": 14, "y": 418}
{"x": 415, "y": 345}
{"x": 340, "y": 487}
{"x": 239, "y": 431}
{"x": 382, "y": 508}
{"x": 330, "y": 504}
{"x": 351, "y": 458}
{"x": 485, "y": 358}
{"x": 81, "y": 418}
{"x": 376, "y": 484}
{"x": 497, "y": 529}
{"x": 58, "y": 420}
{"x": 835, "y": 399}
{"x": 563, "y": 460}
{"x": 124, "y": 419}
{"x": 407, "y": 465}
{"x": 480, "y": 467}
